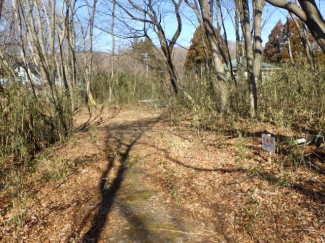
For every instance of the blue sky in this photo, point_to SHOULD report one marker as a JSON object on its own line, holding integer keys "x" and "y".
{"x": 271, "y": 15}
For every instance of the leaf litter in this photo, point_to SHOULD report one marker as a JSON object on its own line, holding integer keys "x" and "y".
{"x": 137, "y": 177}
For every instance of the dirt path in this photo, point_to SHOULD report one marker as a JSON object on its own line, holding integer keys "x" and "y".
{"x": 108, "y": 194}
{"x": 137, "y": 208}
{"x": 131, "y": 176}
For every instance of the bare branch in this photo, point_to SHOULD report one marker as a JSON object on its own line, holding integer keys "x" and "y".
{"x": 291, "y": 7}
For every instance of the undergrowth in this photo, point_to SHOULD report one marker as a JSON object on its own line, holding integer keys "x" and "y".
{"x": 291, "y": 102}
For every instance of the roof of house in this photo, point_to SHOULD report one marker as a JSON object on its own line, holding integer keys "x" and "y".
{"x": 31, "y": 66}
{"x": 263, "y": 64}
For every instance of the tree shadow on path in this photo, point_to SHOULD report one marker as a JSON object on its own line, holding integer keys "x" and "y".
{"x": 119, "y": 149}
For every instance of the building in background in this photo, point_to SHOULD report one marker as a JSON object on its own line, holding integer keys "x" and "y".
{"x": 240, "y": 70}
{"x": 21, "y": 71}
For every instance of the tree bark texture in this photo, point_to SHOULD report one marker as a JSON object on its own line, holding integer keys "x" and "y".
{"x": 215, "y": 53}
{"x": 258, "y": 7}
{"x": 245, "y": 20}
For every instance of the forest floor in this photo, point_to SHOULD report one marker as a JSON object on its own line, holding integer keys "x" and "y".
{"x": 132, "y": 175}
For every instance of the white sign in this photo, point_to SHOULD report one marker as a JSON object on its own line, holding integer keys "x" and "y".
{"x": 268, "y": 143}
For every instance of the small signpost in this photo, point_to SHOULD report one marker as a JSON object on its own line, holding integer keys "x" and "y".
{"x": 268, "y": 143}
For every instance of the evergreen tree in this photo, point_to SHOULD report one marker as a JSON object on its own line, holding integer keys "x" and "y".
{"x": 277, "y": 49}
{"x": 196, "y": 58}
{"x": 274, "y": 47}
{"x": 146, "y": 52}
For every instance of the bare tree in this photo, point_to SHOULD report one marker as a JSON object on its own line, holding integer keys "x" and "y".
{"x": 257, "y": 19}
{"x": 45, "y": 45}
{"x": 153, "y": 18}
{"x": 238, "y": 44}
{"x": 246, "y": 28}
{"x": 195, "y": 7}
{"x": 253, "y": 47}
{"x": 110, "y": 95}
{"x": 215, "y": 53}
{"x": 88, "y": 57}
{"x": 7, "y": 40}
{"x": 229, "y": 64}
{"x": 70, "y": 36}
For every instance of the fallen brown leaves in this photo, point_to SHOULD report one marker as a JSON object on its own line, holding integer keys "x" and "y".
{"x": 223, "y": 185}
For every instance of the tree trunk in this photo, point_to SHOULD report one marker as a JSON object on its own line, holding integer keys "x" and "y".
{"x": 195, "y": 8}
{"x": 110, "y": 85}
{"x": 167, "y": 45}
{"x": 215, "y": 53}
{"x": 237, "y": 37}
{"x": 290, "y": 52}
{"x": 245, "y": 20}
{"x": 230, "y": 67}
{"x": 257, "y": 41}
{"x": 289, "y": 45}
